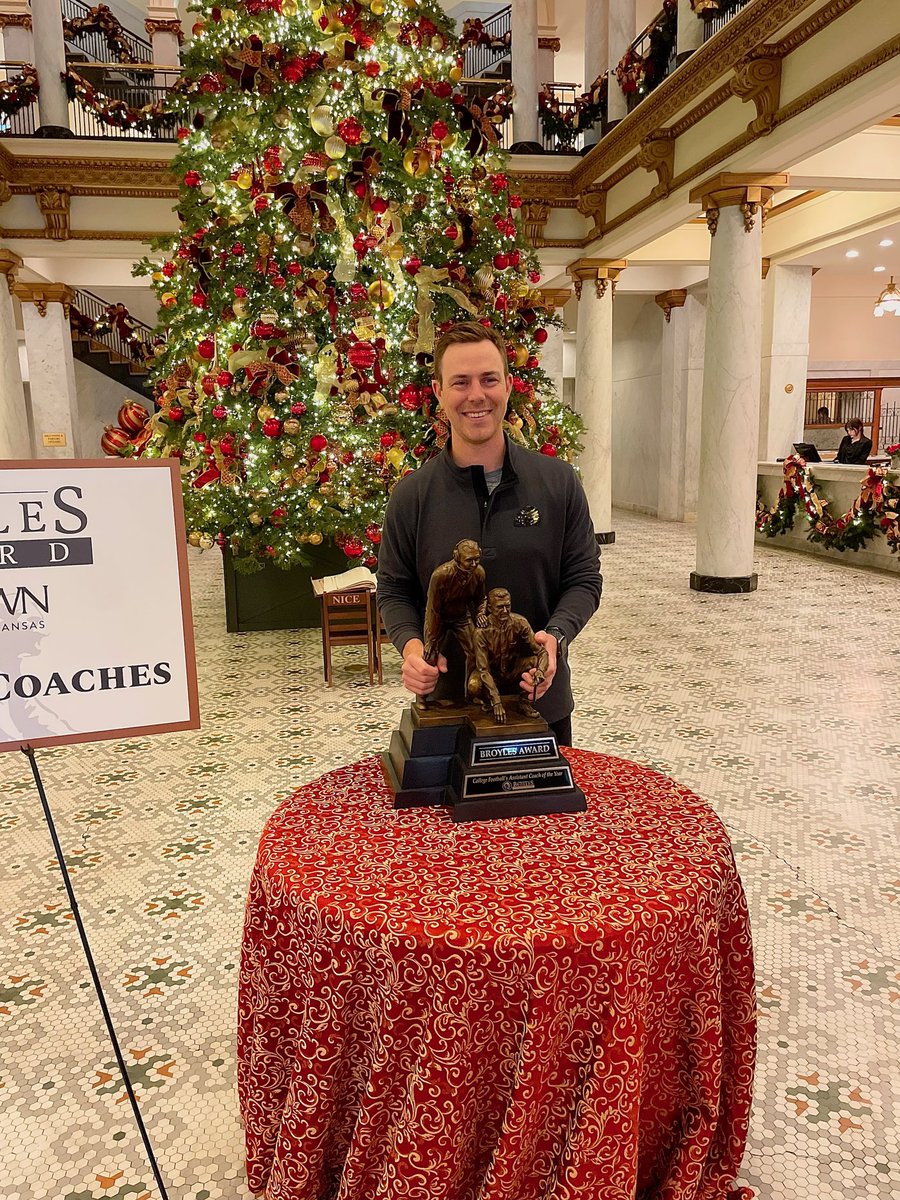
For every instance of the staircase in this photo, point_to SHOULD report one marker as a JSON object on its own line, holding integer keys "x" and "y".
{"x": 113, "y": 343}
{"x": 492, "y": 63}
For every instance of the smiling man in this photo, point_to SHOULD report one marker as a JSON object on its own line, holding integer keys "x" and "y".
{"x": 526, "y": 511}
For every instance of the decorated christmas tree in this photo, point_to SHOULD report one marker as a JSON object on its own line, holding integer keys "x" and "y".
{"x": 339, "y": 204}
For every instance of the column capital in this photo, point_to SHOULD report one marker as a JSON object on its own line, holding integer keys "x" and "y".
{"x": 748, "y": 192}
{"x": 164, "y": 25}
{"x": 10, "y": 265}
{"x": 535, "y": 214}
{"x": 673, "y": 298}
{"x": 12, "y": 19}
{"x": 602, "y": 271}
{"x": 42, "y": 294}
{"x": 549, "y": 43}
{"x": 555, "y": 297}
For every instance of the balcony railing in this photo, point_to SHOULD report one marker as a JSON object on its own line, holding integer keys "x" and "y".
{"x": 562, "y": 136}
{"x": 716, "y": 21}
{"x": 656, "y": 51}
{"x": 118, "y": 88}
{"x": 494, "y": 49}
{"x": 95, "y": 45}
{"x": 110, "y": 326}
{"x": 24, "y": 122}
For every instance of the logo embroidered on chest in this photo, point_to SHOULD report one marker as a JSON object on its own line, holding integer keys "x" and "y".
{"x": 528, "y": 516}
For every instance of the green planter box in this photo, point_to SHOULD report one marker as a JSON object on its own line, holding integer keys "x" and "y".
{"x": 276, "y": 599}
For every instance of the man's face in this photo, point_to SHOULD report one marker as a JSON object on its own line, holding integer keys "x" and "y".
{"x": 473, "y": 392}
{"x": 468, "y": 559}
{"x": 501, "y": 607}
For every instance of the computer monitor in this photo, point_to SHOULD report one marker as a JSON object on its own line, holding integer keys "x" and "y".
{"x": 808, "y": 451}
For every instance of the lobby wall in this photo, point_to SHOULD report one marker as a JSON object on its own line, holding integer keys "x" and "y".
{"x": 637, "y": 391}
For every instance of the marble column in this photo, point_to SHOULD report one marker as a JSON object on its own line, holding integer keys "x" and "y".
{"x": 690, "y": 31}
{"x": 695, "y": 319}
{"x": 50, "y": 60}
{"x": 552, "y": 350}
{"x": 734, "y": 206}
{"x": 524, "y": 25}
{"x": 16, "y": 41}
{"x": 548, "y": 48}
{"x": 787, "y": 292}
{"x": 596, "y": 55}
{"x": 14, "y": 439}
{"x": 163, "y": 28}
{"x": 51, "y": 369}
{"x": 621, "y": 32}
{"x": 673, "y": 408}
{"x": 594, "y": 280}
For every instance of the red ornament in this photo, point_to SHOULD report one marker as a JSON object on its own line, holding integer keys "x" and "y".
{"x": 549, "y": 449}
{"x": 277, "y": 515}
{"x": 532, "y": 363}
{"x": 207, "y": 349}
{"x": 208, "y": 383}
{"x": 298, "y": 408}
{"x": 540, "y": 336}
{"x": 261, "y": 203}
{"x": 294, "y": 268}
{"x": 272, "y": 427}
{"x": 199, "y": 437}
{"x": 409, "y": 397}
{"x": 132, "y": 416}
{"x": 501, "y": 261}
{"x": 358, "y": 291}
{"x": 175, "y": 413}
{"x": 451, "y": 233}
{"x": 220, "y": 412}
{"x": 240, "y": 291}
{"x": 169, "y": 268}
{"x": 439, "y": 130}
{"x": 293, "y": 70}
{"x": 237, "y": 250}
{"x": 192, "y": 179}
{"x": 534, "y": 277}
{"x": 224, "y": 379}
{"x": 515, "y": 258}
{"x": 379, "y": 205}
{"x": 353, "y": 547}
{"x": 515, "y": 202}
{"x": 373, "y": 533}
{"x": 198, "y": 299}
{"x": 113, "y": 441}
{"x": 387, "y": 440}
{"x": 318, "y": 442}
{"x": 413, "y": 264}
{"x": 350, "y": 129}
{"x": 362, "y": 355}
{"x": 373, "y": 69}
{"x": 370, "y": 561}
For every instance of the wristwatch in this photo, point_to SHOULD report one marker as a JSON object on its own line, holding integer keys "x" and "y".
{"x": 562, "y": 642}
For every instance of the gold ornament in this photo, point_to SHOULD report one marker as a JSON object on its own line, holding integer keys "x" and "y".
{"x": 289, "y": 8}
{"x": 484, "y": 277}
{"x": 288, "y": 450}
{"x": 208, "y": 190}
{"x": 381, "y": 292}
{"x": 521, "y": 353}
{"x": 270, "y": 318}
{"x": 377, "y": 8}
{"x": 281, "y": 118}
{"x": 239, "y": 307}
{"x": 466, "y": 191}
{"x": 314, "y": 504}
{"x": 416, "y": 162}
{"x": 244, "y": 179}
{"x": 408, "y": 345}
{"x": 194, "y": 538}
{"x": 333, "y": 173}
{"x": 255, "y": 519}
{"x": 291, "y": 426}
{"x": 206, "y": 541}
{"x": 396, "y": 455}
{"x": 315, "y": 538}
{"x": 322, "y": 121}
{"x": 455, "y": 74}
{"x": 265, "y": 412}
{"x": 396, "y": 251}
{"x": 392, "y": 30}
{"x": 335, "y": 147}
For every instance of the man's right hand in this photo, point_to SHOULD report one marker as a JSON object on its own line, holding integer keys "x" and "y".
{"x": 419, "y": 676}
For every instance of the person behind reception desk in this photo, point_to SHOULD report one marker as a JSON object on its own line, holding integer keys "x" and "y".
{"x": 823, "y": 417}
{"x": 854, "y": 448}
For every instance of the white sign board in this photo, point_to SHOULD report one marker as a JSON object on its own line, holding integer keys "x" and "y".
{"x": 96, "y": 637}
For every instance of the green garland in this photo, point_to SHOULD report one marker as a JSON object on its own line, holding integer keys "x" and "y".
{"x": 875, "y": 510}
{"x": 20, "y": 91}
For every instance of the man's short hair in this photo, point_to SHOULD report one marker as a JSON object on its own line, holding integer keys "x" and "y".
{"x": 468, "y": 333}
{"x": 496, "y": 593}
{"x": 466, "y": 545}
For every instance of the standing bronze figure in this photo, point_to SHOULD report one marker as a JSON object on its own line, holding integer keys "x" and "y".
{"x": 455, "y": 604}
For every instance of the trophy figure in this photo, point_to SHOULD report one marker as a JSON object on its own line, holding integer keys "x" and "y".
{"x": 486, "y": 750}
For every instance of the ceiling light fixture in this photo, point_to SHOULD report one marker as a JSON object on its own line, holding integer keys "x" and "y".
{"x": 889, "y": 301}
{"x": 852, "y": 254}
{"x": 879, "y": 268}
{"x": 886, "y": 242}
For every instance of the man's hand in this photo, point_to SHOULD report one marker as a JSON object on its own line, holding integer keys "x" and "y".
{"x": 419, "y": 676}
{"x": 532, "y": 683}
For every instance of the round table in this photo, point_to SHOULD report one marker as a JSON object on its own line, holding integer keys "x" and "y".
{"x": 542, "y": 1008}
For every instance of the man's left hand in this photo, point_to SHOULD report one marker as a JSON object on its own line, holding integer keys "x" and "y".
{"x": 533, "y": 687}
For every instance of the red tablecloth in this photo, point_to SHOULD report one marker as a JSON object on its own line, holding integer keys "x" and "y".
{"x": 537, "y": 1009}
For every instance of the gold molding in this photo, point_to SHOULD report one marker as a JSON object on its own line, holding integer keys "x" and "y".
{"x": 673, "y": 298}
{"x": 534, "y": 218}
{"x": 13, "y": 20}
{"x": 154, "y": 25}
{"x": 592, "y": 206}
{"x": 92, "y": 235}
{"x": 555, "y": 297}
{"x": 43, "y": 294}
{"x": 751, "y": 193}
{"x": 658, "y": 154}
{"x": 602, "y": 271}
{"x": 813, "y": 25}
{"x": 10, "y": 265}
{"x": 766, "y": 264}
{"x": 54, "y": 205}
{"x": 136, "y": 178}
{"x": 758, "y": 78}
{"x": 549, "y": 43}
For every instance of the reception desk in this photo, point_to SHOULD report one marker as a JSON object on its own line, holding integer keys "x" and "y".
{"x": 840, "y": 486}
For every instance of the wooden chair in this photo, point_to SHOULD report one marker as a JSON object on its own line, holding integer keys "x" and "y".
{"x": 348, "y": 619}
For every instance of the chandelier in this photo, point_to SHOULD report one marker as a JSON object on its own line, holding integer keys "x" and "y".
{"x": 888, "y": 301}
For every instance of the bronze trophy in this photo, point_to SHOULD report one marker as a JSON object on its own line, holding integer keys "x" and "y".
{"x": 486, "y": 751}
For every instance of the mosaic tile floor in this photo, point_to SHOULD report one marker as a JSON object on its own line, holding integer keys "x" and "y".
{"x": 780, "y": 708}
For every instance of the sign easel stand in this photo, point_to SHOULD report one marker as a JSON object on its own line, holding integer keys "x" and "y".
{"x": 28, "y": 751}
